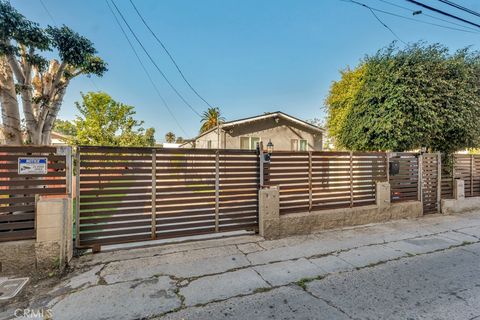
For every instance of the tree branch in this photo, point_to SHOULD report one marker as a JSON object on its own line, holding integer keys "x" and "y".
{"x": 17, "y": 70}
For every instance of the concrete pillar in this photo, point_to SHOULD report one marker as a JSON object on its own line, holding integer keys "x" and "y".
{"x": 458, "y": 189}
{"x": 269, "y": 212}
{"x": 383, "y": 194}
{"x": 53, "y": 246}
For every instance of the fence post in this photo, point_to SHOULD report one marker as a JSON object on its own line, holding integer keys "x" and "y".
{"x": 262, "y": 163}
{"x": 154, "y": 194}
{"x": 77, "y": 198}
{"x": 420, "y": 178}
{"x": 471, "y": 175}
{"x": 310, "y": 191}
{"x": 67, "y": 152}
{"x": 351, "y": 179}
{"x": 387, "y": 165}
{"x": 439, "y": 181}
{"x": 217, "y": 189}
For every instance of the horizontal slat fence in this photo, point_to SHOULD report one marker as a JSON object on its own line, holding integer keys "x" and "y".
{"x": 467, "y": 168}
{"x": 194, "y": 192}
{"x": 324, "y": 180}
{"x": 404, "y": 185}
{"x": 17, "y": 192}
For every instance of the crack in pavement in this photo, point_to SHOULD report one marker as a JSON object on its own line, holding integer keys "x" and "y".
{"x": 328, "y": 302}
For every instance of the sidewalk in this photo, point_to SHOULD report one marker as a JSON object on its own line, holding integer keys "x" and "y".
{"x": 148, "y": 282}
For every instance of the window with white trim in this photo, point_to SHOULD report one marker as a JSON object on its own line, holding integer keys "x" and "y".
{"x": 249, "y": 143}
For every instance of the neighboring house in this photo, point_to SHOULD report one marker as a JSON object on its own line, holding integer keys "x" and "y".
{"x": 287, "y": 133}
{"x": 58, "y": 138}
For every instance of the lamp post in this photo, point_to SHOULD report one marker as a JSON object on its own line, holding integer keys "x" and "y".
{"x": 268, "y": 155}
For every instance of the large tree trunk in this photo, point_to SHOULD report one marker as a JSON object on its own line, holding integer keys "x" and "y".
{"x": 52, "y": 115}
{"x": 9, "y": 105}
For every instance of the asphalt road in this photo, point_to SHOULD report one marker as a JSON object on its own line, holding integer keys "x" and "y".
{"x": 440, "y": 285}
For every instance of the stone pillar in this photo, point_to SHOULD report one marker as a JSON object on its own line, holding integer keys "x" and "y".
{"x": 458, "y": 189}
{"x": 53, "y": 247}
{"x": 383, "y": 194}
{"x": 269, "y": 212}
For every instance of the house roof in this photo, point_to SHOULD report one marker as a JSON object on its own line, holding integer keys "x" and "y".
{"x": 276, "y": 114}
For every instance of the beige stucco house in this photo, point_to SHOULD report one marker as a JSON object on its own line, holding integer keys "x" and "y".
{"x": 287, "y": 133}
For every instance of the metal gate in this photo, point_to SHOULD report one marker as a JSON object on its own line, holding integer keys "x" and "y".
{"x": 431, "y": 182}
{"x": 138, "y": 194}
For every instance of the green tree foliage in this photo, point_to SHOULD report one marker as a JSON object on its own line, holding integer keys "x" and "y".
{"x": 210, "y": 119}
{"x": 341, "y": 98}
{"x": 65, "y": 127}
{"x": 404, "y": 99}
{"x": 106, "y": 122}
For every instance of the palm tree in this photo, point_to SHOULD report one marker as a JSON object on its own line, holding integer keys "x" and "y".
{"x": 170, "y": 137}
{"x": 210, "y": 119}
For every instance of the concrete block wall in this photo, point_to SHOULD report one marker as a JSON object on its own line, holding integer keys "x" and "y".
{"x": 273, "y": 225}
{"x": 459, "y": 204}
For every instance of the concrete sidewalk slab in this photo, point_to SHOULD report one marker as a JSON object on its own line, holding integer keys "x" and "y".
{"x": 423, "y": 244}
{"x": 332, "y": 264}
{"x": 473, "y": 231}
{"x": 282, "y": 273}
{"x": 458, "y": 236}
{"x": 127, "y": 300}
{"x": 179, "y": 268}
{"x": 223, "y": 286}
{"x": 289, "y": 302}
{"x": 369, "y": 255}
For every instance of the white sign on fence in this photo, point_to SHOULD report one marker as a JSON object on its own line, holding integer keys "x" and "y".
{"x": 32, "y": 165}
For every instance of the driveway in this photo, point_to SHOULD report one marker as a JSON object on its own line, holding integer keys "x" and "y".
{"x": 420, "y": 269}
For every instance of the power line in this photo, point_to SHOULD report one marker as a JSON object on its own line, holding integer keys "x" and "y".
{"x": 145, "y": 70}
{"x": 429, "y": 15}
{"x": 443, "y": 12}
{"x": 169, "y": 54}
{"x": 406, "y": 18}
{"x": 378, "y": 19}
{"x": 153, "y": 61}
{"x": 48, "y": 12}
{"x": 453, "y": 4}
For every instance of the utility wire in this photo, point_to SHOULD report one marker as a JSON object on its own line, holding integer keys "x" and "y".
{"x": 48, "y": 12}
{"x": 145, "y": 70}
{"x": 153, "y": 61}
{"x": 404, "y": 17}
{"x": 169, "y": 55}
{"x": 378, "y": 19}
{"x": 430, "y": 16}
{"x": 390, "y": 29}
{"x": 443, "y": 12}
{"x": 453, "y": 4}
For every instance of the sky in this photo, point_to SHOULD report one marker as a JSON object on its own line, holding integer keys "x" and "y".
{"x": 246, "y": 57}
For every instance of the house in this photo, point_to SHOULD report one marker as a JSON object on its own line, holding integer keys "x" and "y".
{"x": 58, "y": 139}
{"x": 287, "y": 133}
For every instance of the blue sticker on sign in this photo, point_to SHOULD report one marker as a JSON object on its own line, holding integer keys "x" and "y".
{"x": 32, "y": 165}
